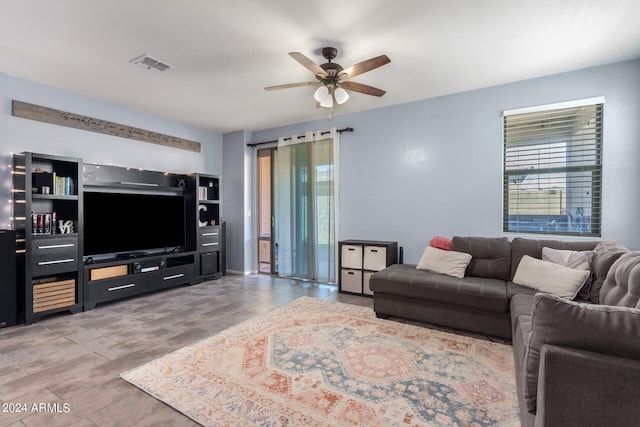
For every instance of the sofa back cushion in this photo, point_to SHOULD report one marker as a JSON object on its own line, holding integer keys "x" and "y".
{"x": 622, "y": 285}
{"x": 606, "y": 253}
{"x": 533, "y": 247}
{"x": 557, "y": 321}
{"x": 490, "y": 256}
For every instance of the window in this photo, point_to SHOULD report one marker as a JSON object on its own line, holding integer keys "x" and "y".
{"x": 553, "y": 169}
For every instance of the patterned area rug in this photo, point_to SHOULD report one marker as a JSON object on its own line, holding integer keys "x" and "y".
{"x": 320, "y": 363}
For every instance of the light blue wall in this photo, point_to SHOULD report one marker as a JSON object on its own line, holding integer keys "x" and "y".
{"x": 434, "y": 167}
{"x": 409, "y": 172}
{"x": 237, "y": 188}
{"x": 17, "y": 134}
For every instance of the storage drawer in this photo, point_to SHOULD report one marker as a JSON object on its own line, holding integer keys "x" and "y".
{"x": 210, "y": 239}
{"x": 351, "y": 256}
{"x": 351, "y": 280}
{"x": 63, "y": 246}
{"x": 176, "y": 275}
{"x": 366, "y": 276}
{"x": 51, "y": 295}
{"x": 50, "y": 256}
{"x": 106, "y": 290}
{"x": 44, "y": 265}
{"x": 375, "y": 258}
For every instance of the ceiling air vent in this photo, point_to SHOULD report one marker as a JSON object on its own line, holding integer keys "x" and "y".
{"x": 151, "y": 63}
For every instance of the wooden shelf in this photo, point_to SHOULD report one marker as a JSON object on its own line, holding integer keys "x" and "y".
{"x": 54, "y": 197}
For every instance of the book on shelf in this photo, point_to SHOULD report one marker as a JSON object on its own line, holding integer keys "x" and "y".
{"x": 63, "y": 185}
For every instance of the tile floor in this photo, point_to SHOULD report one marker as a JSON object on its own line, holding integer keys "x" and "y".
{"x": 73, "y": 362}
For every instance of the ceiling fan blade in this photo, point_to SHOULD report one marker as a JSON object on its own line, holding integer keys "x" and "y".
{"x": 308, "y": 63}
{"x": 364, "y": 66}
{"x": 362, "y": 88}
{"x": 291, "y": 85}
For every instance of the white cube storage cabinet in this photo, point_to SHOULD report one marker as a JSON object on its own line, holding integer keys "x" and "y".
{"x": 359, "y": 259}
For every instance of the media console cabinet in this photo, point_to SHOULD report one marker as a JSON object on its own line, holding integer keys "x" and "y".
{"x": 53, "y": 272}
{"x": 119, "y": 279}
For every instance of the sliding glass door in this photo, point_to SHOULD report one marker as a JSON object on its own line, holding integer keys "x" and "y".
{"x": 301, "y": 240}
{"x": 323, "y": 187}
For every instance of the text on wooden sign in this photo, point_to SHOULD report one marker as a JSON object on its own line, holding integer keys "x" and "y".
{"x": 77, "y": 121}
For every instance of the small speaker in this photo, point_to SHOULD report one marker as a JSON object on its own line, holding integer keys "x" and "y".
{"x": 8, "y": 290}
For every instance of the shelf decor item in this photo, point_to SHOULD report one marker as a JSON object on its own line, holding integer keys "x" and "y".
{"x": 201, "y": 209}
{"x": 65, "y": 227}
{"x": 44, "y": 223}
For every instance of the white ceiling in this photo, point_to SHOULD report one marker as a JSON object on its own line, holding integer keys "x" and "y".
{"x": 226, "y": 51}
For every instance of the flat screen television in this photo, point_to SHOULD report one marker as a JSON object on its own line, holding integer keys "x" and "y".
{"x": 117, "y": 223}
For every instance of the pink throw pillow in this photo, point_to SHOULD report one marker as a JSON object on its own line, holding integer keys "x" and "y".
{"x": 440, "y": 243}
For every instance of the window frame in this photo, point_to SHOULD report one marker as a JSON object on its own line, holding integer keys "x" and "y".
{"x": 595, "y": 169}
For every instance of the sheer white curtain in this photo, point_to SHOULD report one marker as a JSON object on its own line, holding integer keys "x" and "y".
{"x": 306, "y": 178}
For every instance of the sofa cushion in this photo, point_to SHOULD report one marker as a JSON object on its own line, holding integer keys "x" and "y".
{"x": 598, "y": 328}
{"x": 441, "y": 261}
{"x": 545, "y": 276}
{"x": 533, "y": 247}
{"x": 605, "y": 254}
{"x": 491, "y": 256}
{"x": 521, "y": 305}
{"x": 622, "y": 285}
{"x": 513, "y": 289}
{"x": 405, "y": 280}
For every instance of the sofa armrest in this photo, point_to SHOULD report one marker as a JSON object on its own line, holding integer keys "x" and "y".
{"x": 607, "y": 330}
{"x": 581, "y": 388}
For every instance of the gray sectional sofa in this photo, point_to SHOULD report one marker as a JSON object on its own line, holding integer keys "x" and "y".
{"x": 577, "y": 362}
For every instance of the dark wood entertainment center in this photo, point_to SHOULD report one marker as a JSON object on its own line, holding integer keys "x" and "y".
{"x": 54, "y": 272}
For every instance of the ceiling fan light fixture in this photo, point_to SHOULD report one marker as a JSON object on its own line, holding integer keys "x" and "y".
{"x": 330, "y": 76}
{"x": 341, "y": 96}
{"x": 323, "y": 96}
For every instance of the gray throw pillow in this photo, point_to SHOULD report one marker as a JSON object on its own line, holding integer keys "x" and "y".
{"x": 580, "y": 260}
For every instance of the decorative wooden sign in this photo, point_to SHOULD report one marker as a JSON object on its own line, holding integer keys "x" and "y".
{"x": 63, "y": 118}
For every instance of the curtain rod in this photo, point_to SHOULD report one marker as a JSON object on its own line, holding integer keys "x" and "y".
{"x": 254, "y": 144}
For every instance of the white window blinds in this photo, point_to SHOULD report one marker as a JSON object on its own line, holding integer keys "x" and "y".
{"x": 553, "y": 170}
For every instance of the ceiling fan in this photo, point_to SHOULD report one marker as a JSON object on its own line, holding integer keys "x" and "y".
{"x": 332, "y": 79}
